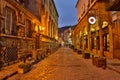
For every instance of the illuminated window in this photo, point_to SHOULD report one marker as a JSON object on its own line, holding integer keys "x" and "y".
{"x": 81, "y": 39}
{"x": 105, "y": 39}
{"x": 21, "y": 17}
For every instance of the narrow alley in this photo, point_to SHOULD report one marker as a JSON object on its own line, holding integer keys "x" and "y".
{"x": 59, "y": 40}
{"x": 65, "y": 64}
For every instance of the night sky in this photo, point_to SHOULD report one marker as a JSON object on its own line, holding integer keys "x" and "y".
{"x": 67, "y": 12}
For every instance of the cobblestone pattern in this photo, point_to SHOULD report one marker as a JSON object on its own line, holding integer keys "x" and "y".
{"x": 9, "y": 70}
{"x": 66, "y": 65}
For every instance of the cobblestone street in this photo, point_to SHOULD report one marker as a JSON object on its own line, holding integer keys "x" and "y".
{"x": 65, "y": 64}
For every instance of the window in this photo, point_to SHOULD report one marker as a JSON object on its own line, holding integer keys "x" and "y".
{"x": 28, "y": 28}
{"x": 2, "y": 26}
{"x": 95, "y": 44}
{"x": 106, "y": 42}
{"x": 98, "y": 42}
{"x": 80, "y": 39}
{"x": 88, "y": 3}
{"x": 85, "y": 41}
{"x": 81, "y": 43}
{"x": 93, "y": 40}
{"x": 10, "y": 21}
{"x": 84, "y": 8}
{"x": 105, "y": 39}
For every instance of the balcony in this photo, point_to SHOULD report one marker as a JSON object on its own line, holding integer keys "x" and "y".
{"x": 112, "y": 5}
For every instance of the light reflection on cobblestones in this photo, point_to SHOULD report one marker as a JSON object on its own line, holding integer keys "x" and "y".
{"x": 66, "y": 65}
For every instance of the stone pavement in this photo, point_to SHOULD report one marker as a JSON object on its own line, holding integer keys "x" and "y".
{"x": 8, "y": 71}
{"x": 65, "y": 64}
{"x": 114, "y": 64}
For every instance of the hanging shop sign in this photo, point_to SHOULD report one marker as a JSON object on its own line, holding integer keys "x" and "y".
{"x": 92, "y": 20}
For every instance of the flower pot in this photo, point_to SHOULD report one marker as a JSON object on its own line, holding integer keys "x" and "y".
{"x": 86, "y": 55}
{"x": 99, "y": 62}
{"x": 23, "y": 68}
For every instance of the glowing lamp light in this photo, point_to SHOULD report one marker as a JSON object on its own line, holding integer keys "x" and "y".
{"x": 56, "y": 37}
{"x": 36, "y": 28}
{"x": 43, "y": 28}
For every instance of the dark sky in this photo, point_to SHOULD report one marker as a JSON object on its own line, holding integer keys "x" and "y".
{"x": 67, "y": 12}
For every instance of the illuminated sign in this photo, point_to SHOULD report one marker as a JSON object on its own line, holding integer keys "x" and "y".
{"x": 92, "y": 20}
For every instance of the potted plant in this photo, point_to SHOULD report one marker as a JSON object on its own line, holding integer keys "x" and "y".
{"x": 24, "y": 67}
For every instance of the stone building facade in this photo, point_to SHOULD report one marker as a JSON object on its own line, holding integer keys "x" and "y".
{"x": 18, "y": 22}
{"x": 116, "y": 33}
{"x": 114, "y": 7}
{"x": 96, "y": 38}
{"x": 65, "y": 36}
{"x": 49, "y": 19}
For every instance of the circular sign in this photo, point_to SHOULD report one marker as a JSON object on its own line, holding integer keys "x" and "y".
{"x": 92, "y": 20}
